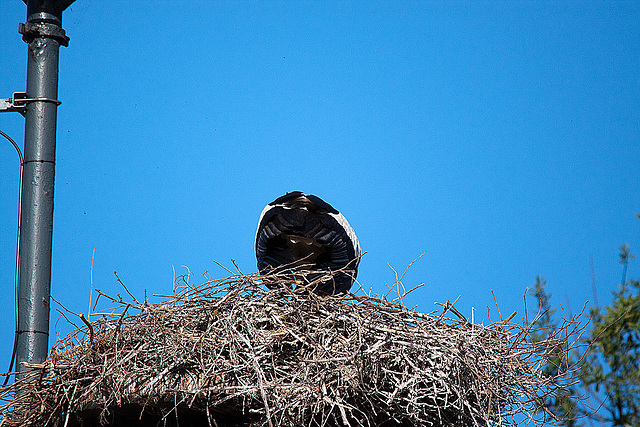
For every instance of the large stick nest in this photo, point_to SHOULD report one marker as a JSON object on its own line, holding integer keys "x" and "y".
{"x": 230, "y": 352}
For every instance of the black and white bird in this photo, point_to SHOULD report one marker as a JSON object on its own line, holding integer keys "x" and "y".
{"x": 300, "y": 229}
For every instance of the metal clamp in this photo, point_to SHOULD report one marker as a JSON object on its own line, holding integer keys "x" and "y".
{"x": 31, "y": 30}
{"x": 19, "y": 103}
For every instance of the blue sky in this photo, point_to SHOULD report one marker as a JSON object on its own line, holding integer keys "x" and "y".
{"x": 501, "y": 138}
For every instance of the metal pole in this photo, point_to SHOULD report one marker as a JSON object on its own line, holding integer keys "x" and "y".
{"x": 44, "y": 34}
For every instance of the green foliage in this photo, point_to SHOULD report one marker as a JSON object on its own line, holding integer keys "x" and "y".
{"x": 612, "y": 368}
{"x": 607, "y": 390}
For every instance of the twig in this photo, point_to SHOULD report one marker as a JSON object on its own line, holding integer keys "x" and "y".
{"x": 125, "y": 288}
{"x": 91, "y": 288}
{"x": 86, "y": 322}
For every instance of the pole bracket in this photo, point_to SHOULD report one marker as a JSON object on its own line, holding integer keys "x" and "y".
{"x": 31, "y": 30}
{"x": 18, "y": 102}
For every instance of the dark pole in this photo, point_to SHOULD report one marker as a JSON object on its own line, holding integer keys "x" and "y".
{"x": 44, "y": 34}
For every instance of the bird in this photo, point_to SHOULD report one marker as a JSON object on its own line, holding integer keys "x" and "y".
{"x": 300, "y": 229}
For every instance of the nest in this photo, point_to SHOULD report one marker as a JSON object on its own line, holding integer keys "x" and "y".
{"x": 230, "y": 352}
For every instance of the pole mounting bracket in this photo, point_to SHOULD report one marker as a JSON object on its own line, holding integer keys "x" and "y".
{"x": 31, "y": 30}
{"x": 18, "y": 102}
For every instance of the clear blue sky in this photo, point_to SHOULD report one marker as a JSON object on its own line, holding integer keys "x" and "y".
{"x": 502, "y": 138}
